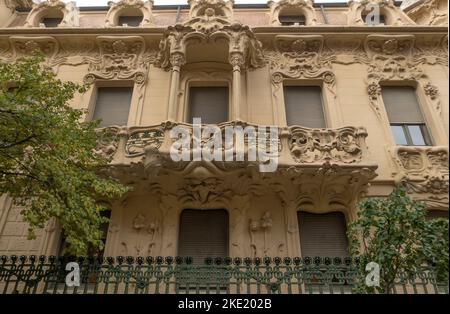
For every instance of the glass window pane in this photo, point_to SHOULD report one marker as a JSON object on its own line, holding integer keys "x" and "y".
{"x": 416, "y": 134}
{"x": 399, "y": 135}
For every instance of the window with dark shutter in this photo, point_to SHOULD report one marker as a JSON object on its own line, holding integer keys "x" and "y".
{"x": 203, "y": 233}
{"x": 292, "y": 20}
{"x": 405, "y": 117}
{"x": 434, "y": 214}
{"x": 304, "y": 106}
{"x": 208, "y": 103}
{"x": 323, "y": 235}
{"x": 51, "y": 21}
{"x": 113, "y": 105}
{"x": 133, "y": 21}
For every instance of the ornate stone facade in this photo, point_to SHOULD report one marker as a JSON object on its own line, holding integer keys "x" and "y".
{"x": 320, "y": 170}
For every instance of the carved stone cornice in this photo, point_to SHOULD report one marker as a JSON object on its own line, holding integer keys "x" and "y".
{"x": 116, "y": 8}
{"x": 69, "y": 11}
{"x": 424, "y": 172}
{"x": 305, "y": 7}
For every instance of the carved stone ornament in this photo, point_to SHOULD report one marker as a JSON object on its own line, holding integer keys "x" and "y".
{"x": 393, "y": 14}
{"x": 305, "y": 7}
{"x": 124, "y": 6}
{"x": 430, "y": 12}
{"x": 209, "y": 15}
{"x": 299, "y": 57}
{"x": 424, "y": 172}
{"x": 390, "y": 58}
{"x": 210, "y": 21}
{"x": 69, "y": 12}
{"x": 26, "y": 45}
{"x": 119, "y": 58}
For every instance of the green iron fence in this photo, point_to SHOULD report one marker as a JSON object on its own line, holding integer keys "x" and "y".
{"x": 128, "y": 275}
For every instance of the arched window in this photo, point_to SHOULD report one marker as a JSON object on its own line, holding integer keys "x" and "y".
{"x": 292, "y": 19}
{"x": 52, "y": 18}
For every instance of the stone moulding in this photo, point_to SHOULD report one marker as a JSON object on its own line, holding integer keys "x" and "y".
{"x": 117, "y": 8}
{"x": 69, "y": 11}
{"x": 304, "y": 7}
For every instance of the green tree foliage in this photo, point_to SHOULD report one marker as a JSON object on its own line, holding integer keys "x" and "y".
{"x": 395, "y": 233}
{"x": 47, "y": 158}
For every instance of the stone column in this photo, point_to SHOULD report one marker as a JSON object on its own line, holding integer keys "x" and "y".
{"x": 176, "y": 60}
{"x": 237, "y": 61}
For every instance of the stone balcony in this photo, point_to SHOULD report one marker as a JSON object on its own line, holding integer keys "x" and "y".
{"x": 320, "y": 166}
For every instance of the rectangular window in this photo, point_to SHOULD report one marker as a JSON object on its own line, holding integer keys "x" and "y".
{"x": 203, "y": 233}
{"x": 292, "y": 20}
{"x": 133, "y": 21}
{"x": 113, "y": 105}
{"x": 208, "y": 103}
{"x": 406, "y": 119}
{"x": 51, "y": 21}
{"x": 304, "y": 106}
{"x": 323, "y": 235}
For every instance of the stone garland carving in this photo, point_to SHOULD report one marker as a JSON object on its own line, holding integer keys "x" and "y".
{"x": 345, "y": 145}
{"x": 394, "y": 15}
{"x": 424, "y": 172}
{"x": 116, "y": 8}
{"x": 305, "y": 7}
{"x": 430, "y": 12}
{"x": 39, "y": 10}
{"x": 390, "y": 58}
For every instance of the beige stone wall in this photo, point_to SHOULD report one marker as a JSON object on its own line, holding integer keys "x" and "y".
{"x": 349, "y": 62}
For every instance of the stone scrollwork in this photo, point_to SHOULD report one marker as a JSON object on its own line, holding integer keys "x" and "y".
{"x": 345, "y": 145}
{"x": 69, "y": 12}
{"x": 304, "y": 7}
{"x": 424, "y": 172}
{"x": 118, "y": 59}
{"x": 299, "y": 57}
{"x": 26, "y": 45}
{"x": 390, "y": 58}
{"x": 393, "y": 14}
{"x": 430, "y": 12}
{"x": 122, "y": 6}
{"x": 209, "y": 15}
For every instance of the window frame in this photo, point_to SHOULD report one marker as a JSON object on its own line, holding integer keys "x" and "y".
{"x": 307, "y": 83}
{"x": 409, "y": 141}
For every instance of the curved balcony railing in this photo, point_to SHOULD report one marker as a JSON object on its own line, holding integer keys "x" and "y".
{"x": 128, "y": 275}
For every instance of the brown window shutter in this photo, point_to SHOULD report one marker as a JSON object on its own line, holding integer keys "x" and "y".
{"x": 401, "y": 104}
{"x": 113, "y": 105}
{"x": 434, "y": 214}
{"x": 304, "y": 106}
{"x": 323, "y": 235}
{"x": 208, "y": 103}
{"x": 203, "y": 233}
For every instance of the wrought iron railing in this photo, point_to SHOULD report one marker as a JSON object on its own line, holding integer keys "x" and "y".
{"x": 128, "y": 275}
